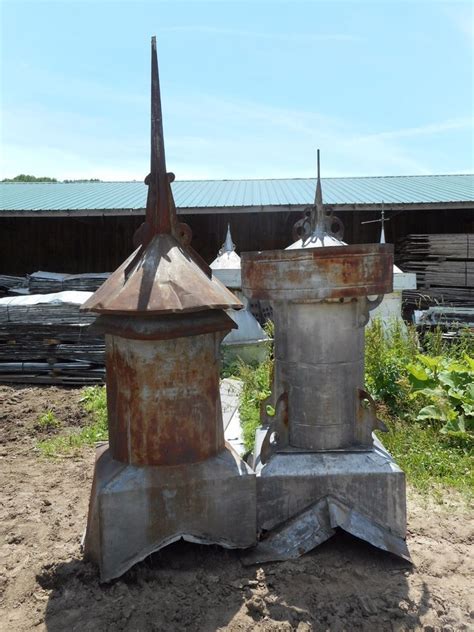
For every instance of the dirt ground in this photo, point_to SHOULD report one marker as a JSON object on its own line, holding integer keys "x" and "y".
{"x": 342, "y": 585}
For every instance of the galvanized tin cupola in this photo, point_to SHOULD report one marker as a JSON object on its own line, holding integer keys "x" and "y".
{"x": 317, "y": 462}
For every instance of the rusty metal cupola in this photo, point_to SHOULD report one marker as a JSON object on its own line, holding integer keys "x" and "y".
{"x": 167, "y": 472}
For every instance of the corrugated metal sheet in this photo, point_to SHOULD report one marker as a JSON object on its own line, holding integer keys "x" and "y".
{"x": 238, "y": 193}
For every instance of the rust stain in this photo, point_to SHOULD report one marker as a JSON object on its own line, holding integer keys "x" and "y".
{"x": 166, "y": 415}
{"x": 329, "y": 272}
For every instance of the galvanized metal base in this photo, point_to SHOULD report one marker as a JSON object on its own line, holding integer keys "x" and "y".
{"x": 135, "y": 511}
{"x": 302, "y": 498}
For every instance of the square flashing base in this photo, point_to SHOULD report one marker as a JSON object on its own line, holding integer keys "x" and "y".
{"x": 135, "y": 511}
{"x": 303, "y": 497}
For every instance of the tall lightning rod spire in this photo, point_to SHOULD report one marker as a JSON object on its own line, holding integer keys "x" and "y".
{"x": 159, "y": 206}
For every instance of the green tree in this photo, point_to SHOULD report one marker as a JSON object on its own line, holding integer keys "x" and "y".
{"x": 26, "y": 178}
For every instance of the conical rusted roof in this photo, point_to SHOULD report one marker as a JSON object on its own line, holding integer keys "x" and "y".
{"x": 164, "y": 275}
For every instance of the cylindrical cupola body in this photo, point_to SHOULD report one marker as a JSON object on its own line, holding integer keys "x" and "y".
{"x": 319, "y": 361}
{"x": 320, "y": 307}
{"x": 163, "y": 399}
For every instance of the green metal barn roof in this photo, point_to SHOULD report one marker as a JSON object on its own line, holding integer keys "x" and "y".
{"x": 216, "y": 196}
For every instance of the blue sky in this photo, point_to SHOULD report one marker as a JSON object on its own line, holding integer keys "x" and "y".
{"x": 249, "y": 89}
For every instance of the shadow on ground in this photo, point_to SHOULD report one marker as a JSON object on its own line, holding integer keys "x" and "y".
{"x": 344, "y": 584}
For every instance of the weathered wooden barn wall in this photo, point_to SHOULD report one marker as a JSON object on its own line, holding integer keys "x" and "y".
{"x": 64, "y": 244}
{"x": 100, "y": 244}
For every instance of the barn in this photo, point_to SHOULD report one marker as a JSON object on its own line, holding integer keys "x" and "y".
{"x": 81, "y": 227}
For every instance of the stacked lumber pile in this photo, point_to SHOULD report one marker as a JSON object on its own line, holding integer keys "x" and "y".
{"x": 45, "y": 282}
{"x": 444, "y": 266}
{"x": 8, "y": 282}
{"x": 44, "y": 338}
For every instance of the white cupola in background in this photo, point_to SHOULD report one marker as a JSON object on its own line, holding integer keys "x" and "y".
{"x": 248, "y": 341}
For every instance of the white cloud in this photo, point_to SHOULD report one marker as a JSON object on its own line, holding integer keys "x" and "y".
{"x": 211, "y": 138}
{"x": 461, "y": 15}
{"x": 425, "y": 130}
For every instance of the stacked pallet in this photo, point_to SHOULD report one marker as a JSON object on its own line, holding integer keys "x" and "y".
{"x": 444, "y": 267}
{"x": 44, "y": 338}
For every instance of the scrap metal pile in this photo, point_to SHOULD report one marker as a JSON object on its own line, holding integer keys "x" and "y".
{"x": 167, "y": 472}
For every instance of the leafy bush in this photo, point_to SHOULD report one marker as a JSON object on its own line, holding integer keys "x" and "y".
{"x": 431, "y": 454}
{"x": 388, "y": 349}
{"x": 448, "y": 385}
{"x": 256, "y": 388}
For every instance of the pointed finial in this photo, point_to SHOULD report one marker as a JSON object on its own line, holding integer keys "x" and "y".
{"x": 160, "y": 208}
{"x": 318, "y": 223}
{"x": 382, "y": 221}
{"x": 157, "y": 158}
{"x": 159, "y": 213}
{"x": 317, "y": 216}
{"x": 228, "y": 245}
{"x": 318, "y": 200}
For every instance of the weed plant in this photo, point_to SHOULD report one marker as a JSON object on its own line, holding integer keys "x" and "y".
{"x": 388, "y": 350}
{"x": 94, "y": 402}
{"x": 48, "y": 421}
{"x": 256, "y": 387}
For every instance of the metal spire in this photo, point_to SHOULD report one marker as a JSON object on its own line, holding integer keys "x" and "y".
{"x": 228, "y": 245}
{"x": 317, "y": 215}
{"x": 382, "y": 221}
{"x": 318, "y": 226}
{"x": 159, "y": 207}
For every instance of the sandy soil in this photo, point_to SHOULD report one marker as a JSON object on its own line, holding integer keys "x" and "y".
{"x": 343, "y": 585}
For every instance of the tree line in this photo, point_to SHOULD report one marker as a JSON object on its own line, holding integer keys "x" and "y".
{"x": 27, "y": 178}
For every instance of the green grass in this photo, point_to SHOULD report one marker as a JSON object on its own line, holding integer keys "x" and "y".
{"x": 94, "y": 402}
{"x": 431, "y": 462}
